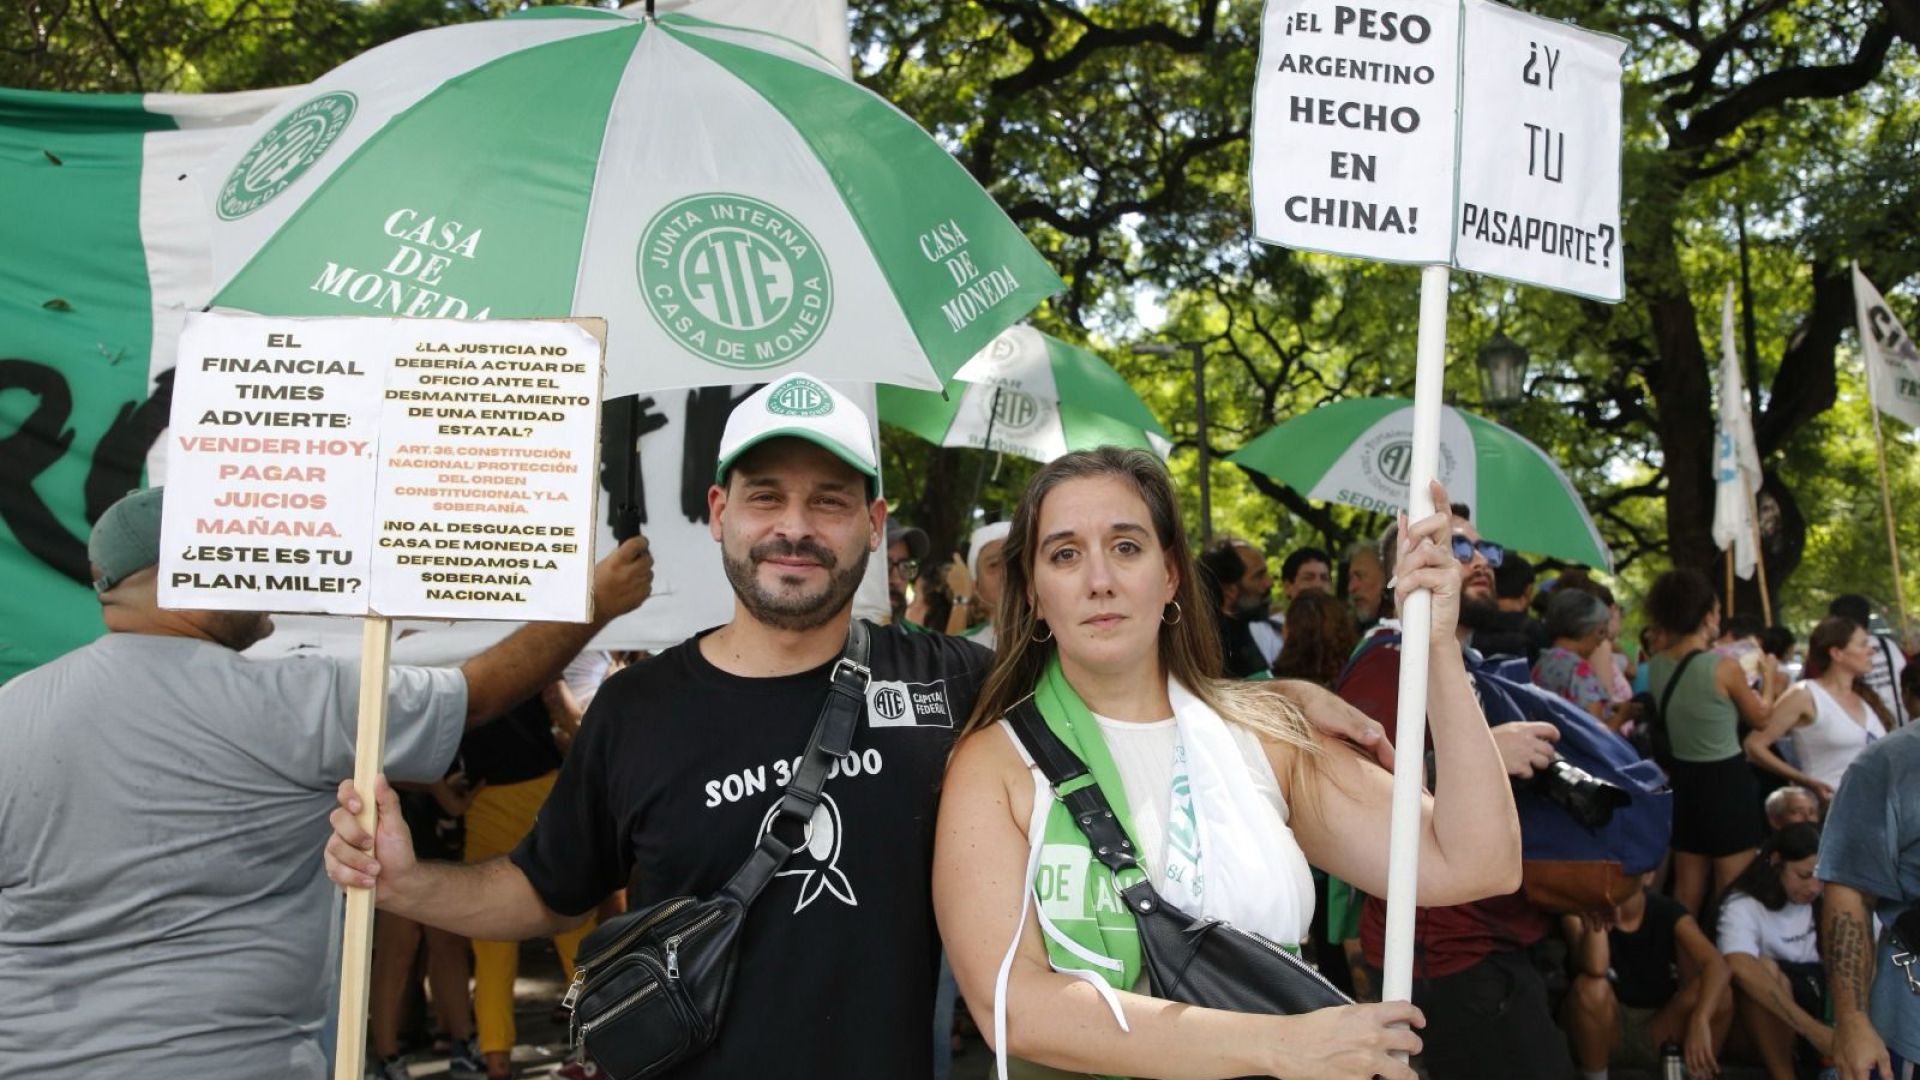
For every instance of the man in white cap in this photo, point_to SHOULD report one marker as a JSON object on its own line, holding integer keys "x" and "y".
{"x": 161, "y": 913}
{"x": 682, "y": 757}
{"x": 987, "y": 575}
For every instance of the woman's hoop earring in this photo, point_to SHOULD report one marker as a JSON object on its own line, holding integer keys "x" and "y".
{"x": 1042, "y": 640}
{"x": 1177, "y": 614}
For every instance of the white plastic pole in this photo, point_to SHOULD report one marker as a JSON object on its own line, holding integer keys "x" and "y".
{"x": 1416, "y": 631}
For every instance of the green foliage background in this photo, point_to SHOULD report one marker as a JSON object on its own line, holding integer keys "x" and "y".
{"x": 1116, "y": 133}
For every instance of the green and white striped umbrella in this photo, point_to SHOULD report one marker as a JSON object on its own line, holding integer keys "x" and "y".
{"x": 1357, "y": 453}
{"x": 726, "y": 198}
{"x": 1029, "y": 394}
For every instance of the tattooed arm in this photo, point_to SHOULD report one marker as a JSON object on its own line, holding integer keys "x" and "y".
{"x": 1764, "y": 984}
{"x": 1847, "y": 940}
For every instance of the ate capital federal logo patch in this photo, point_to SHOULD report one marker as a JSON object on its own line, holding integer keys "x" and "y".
{"x": 893, "y": 703}
{"x": 284, "y": 154}
{"x": 800, "y": 397}
{"x": 736, "y": 281}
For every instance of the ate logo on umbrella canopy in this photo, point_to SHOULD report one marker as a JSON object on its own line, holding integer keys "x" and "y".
{"x": 735, "y": 280}
{"x": 1387, "y": 458}
{"x": 284, "y": 154}
{"x": 1014, "y": 410}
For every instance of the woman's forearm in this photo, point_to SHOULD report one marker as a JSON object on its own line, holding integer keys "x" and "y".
{"x": 1474, "y": 827}
{"x": 1760, "y": 752}
{"x": 1063, "y": 1022}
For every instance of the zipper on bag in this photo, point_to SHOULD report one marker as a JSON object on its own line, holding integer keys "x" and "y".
{"x": 619, "y": 1008}
{"x": 619, "y": 944}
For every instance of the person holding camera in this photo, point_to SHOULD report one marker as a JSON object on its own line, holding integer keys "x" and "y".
{"x": 1485, "y": 1001}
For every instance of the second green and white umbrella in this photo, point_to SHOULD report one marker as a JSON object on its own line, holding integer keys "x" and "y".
{"x": 1358, "y": 453}
{"x": 726, "y": 198}
{"x": 1032, "y": 395}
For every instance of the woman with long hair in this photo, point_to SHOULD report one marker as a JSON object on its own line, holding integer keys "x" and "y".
{"x": 1223, "y": 788}
{"x": 1321, "y": 634}
{"x": 1767, "y": 932}
{"x": 1716, "y": 800}
{"x": 1831, "y": 715}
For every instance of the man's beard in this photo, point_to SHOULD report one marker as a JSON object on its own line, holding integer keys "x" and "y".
{"x": 1479, "y": 613}
{"x": 1250, "y": 607}
{"x": 787, "y": 610}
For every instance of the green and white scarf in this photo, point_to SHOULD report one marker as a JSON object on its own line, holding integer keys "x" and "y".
{"x": 1252, "y": 873}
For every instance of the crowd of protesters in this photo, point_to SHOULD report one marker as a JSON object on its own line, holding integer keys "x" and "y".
{"x": 546, "y": 785}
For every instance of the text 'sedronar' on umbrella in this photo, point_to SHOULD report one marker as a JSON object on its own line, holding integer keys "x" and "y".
{"x": 1030, "y": 394}
{"x": 726, "y": 198}
{"x": 1357, "y": 453}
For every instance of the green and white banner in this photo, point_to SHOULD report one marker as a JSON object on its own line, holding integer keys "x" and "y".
{"x": 105, "y": 251}
{"x": 96, "y": 283}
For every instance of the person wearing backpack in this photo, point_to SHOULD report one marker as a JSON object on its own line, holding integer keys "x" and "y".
{"x": 1716, "y": 800}
{"x": 1473, "y": 974}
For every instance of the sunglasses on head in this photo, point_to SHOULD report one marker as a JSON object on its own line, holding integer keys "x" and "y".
{"x": 1464, "y": 548}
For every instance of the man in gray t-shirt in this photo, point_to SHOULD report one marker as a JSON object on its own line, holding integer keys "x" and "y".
{"x": 1870, "y": 860}
{"x": 162, "y": 913}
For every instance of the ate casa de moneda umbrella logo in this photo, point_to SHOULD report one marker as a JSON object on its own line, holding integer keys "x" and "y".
{"x": 284, "y": 154}
{"x": 735, "y": 280}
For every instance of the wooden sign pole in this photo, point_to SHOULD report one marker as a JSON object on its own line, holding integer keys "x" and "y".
{"x": 1886, "y": 508}
{"x": 356, "y": 955}
{"x": 1759, "y": 553}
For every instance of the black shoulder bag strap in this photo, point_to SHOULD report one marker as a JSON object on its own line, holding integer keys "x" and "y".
{"x": 832, "y": 740}
{"x": 1061, "y": 766}
{"x": 1673, "y": 684}
{"x": 1898, "y": 706}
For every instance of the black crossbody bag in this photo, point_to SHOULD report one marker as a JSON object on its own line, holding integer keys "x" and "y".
{"x": 651, "y": 987}
{"x": 1200, "y": 961}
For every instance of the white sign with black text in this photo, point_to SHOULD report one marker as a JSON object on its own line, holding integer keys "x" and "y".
{"x": 1540, "y": 153}
{"x": 1354, "y": 127}
{"x": 403, "y": 467}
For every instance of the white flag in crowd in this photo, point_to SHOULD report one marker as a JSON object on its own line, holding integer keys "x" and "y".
{"x": 1736, "y": 467}
{"x": 1893, "y": 364}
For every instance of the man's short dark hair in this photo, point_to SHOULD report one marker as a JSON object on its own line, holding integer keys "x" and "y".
{"x": 1742, "y": 626}
{"x": 1461, "y": 511}
{"x": 1853, "y": 606}
{"x": 1777, "y": 641}
{"x": 1300, "y": 558}
{"x": 1512, "y": 577}
{"x": 1221, "y": 566}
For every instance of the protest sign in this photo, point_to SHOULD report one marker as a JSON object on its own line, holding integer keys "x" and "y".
{"x": 382, "y": 466}
{"x": 1354, "y": 124}
{"x": 487, "y": 482}
{"x": 1540, "y": 152}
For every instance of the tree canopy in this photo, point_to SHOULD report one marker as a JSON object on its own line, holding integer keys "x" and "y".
{"x": 1768, "y": 144}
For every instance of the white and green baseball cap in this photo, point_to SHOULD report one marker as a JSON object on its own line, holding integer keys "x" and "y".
{"x": 800, "y": 406}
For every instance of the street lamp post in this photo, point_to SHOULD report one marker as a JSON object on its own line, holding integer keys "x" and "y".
{"x": 1161, "y": 348}
{"x": 1502, "y": 363}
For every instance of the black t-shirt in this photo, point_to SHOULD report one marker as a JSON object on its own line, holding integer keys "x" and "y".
{"x": 1241, "y": 655}
{"x": 1645, "y": 962}
{"x": 515, "y": 746}
{"x": 1510, "y": 633}
{"x": 672, "y": 778}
